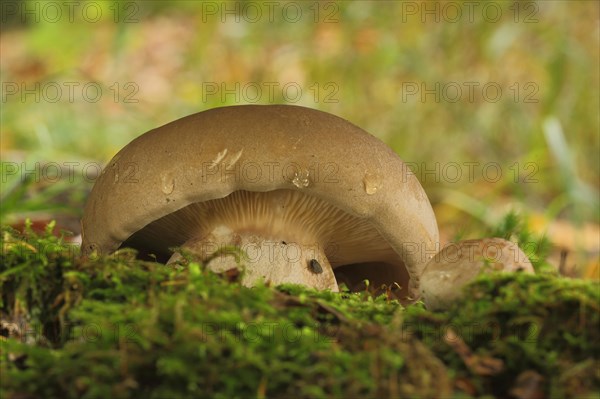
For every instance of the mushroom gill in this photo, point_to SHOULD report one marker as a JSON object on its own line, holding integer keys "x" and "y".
{"x": 282, "y": 232}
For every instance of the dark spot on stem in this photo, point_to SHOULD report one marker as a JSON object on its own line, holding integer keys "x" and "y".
{"x": 315, "y": 266}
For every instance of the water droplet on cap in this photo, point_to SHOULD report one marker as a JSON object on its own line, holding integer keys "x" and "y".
{"x": 167, "y": 183}
{"x": 301, "y": 179}
{"x": 372, "y": 182}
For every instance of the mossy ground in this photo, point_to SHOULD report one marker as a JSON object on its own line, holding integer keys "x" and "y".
{"x": 121, "y": 328}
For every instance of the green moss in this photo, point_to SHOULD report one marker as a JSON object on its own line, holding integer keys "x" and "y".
{"x": 118, "y": 327}
{"x": 535, "y": 323}
{"x": 513, "y": 227}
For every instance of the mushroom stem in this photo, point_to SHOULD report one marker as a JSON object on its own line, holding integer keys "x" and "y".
{"x": 275, "y": 259}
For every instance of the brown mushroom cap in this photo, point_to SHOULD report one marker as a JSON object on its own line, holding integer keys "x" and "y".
{"x": 458, "y": 264}
{"x": 369, "y": 212}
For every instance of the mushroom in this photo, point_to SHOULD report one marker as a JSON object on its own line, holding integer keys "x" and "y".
{"x": 307, "y": 195}
{"x": 459, "y": 263}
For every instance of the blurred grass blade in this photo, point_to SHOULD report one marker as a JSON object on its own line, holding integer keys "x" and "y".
{"x": 559, "y": 148}
{"x": 578, "y": 190}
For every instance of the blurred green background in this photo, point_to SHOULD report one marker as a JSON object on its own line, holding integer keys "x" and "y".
{"x": 494, "y": 104}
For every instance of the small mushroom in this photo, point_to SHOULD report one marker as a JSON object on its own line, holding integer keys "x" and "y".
{"x": 307, "y": 195}
{"x": 459, "y": 263}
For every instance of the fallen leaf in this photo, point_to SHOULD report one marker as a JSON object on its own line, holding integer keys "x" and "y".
{"x": 529, "y": 385}
{"x": 480, "y": 365}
